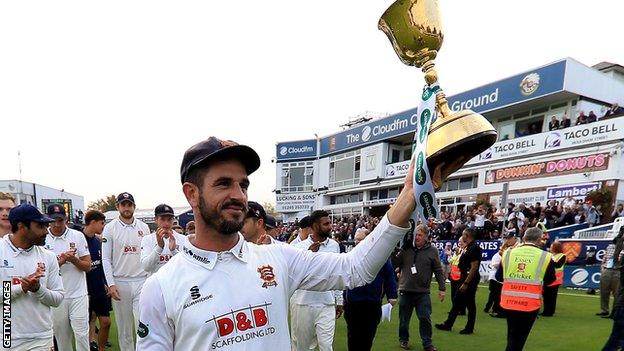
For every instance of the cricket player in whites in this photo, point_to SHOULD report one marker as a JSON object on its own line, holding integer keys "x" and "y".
{"x": 121, "y": 260}
{"x": 159, "y": 247}
{"x": 74, "y": 259}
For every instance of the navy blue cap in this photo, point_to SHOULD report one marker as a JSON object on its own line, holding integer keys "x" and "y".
{"x": 55, "y": 211}
{"x": 163, "y": 210}
{"x": 26, "y": 212}
{"x": 270, "y": 222}
{"x": 125, "y": 197}
{"x": 256, "y": 210}
{"x": 212, "y": 148}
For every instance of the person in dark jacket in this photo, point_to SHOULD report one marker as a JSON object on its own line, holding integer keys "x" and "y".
{"x": 469, "y": 282}
{"x": 616, "y": 339}
{"x": 550, "y": 291}
{"x": 417, "y": 264}
{"x": 565, "y": 122}
{"x": 553, "y": 124}
{"x": 362, "y": 309}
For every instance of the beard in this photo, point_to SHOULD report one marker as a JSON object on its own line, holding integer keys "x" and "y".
{"x": 217, "y": 222}
{"x": 39, "y": 241}
{"x": 126, "y": 214}
{"x": 325, "y": 234}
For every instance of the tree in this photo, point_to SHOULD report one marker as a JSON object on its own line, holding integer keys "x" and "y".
{"x": 105, "y": 204}
{"x": 603, "y": 200}
{"x": 269, "y": 208}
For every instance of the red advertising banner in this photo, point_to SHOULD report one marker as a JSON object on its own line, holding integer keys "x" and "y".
{"x": 589, "y": 163}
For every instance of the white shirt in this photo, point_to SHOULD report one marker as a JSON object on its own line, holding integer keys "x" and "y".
{"x": 296, "y": 240}
{"x": 74, "y": 280}
{"x": 121, "y": 251}
{"x": 31, "y": 315}
{"x": 275, "y": 241}
{"x": 238, "y": 299}
{"x": 496, "y": 260}
{"x": 153, "y": 256}
{"x": 318, "y": 298}
{"x": 519, "y": 216}
{"x": 479, "y": 221}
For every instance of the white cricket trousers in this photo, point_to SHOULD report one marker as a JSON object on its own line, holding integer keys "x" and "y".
{"x": 312, "y": 326}
{"x": 72, "y": 317}
{"x": 45, "y": 344}
{"x": 127, "y": 312}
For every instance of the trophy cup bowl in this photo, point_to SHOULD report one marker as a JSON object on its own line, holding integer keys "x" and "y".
{"x": 414, "y": 28}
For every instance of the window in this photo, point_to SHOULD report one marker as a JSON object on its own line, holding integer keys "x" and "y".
{"x": 407, "y": 153}
{"x": 374, "y": 194}
{"x": 396, "y": 156}
{"x": 463, "y": 183}
{"x": 346, "y": 198}
{"x": 297, "y": 176}
{"x": 383, "y": 193}
{"x": 344, "y": 169}
{"x": 529, "y": 126}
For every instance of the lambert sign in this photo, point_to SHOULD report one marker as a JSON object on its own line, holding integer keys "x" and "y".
{"x": 577, "y": 191}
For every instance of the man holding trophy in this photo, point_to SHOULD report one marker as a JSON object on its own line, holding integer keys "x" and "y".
{"x": 239, "y": 291}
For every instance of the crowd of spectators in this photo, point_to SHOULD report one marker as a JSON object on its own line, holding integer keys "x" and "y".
{"x": 490, "y": 223}
{"x": 565, "y": 122}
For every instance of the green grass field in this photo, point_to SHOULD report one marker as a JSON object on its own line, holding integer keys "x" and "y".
{"x": 574, "y": 327}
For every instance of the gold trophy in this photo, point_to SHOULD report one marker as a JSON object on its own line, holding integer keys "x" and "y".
{"x": 415, "y": 31}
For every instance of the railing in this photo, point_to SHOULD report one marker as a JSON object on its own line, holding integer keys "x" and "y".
{"x": 604, "y": 231}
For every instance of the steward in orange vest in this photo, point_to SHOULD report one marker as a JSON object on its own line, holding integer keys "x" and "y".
{"x": 550, "y": 291}
{"x": 525, "y": 271}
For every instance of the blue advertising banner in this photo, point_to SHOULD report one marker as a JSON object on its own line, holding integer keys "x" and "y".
{"x": 378, "y": 130}
{"x": 584, "y": 277}
{"x": 296, "y": 150}
{"x": 566, "y": 231}
{"x": 488, "y": 247}
{"x": 525, "y": 86}
{"x": 576, "y": 250}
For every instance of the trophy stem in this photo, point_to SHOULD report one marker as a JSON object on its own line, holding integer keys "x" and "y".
{"x": 431, "y": 77}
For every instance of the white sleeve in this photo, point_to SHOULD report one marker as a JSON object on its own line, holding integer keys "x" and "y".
{"x": 323, "y": 271}
{"x": 52, "y": 294}
{"x": 150, "y": 253}
{"x": 496, "y": 260}
{"x": 180, "y": 240}
{"x": 82, "y": 246}
{"x": 160, "y": 332}
{"x": 107, "y": 254}
{"x": 338, "y": 297}
{"x": 17, "y": 291}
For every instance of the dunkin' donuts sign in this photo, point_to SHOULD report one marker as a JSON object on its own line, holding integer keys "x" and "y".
{"x": 589, "y": 163}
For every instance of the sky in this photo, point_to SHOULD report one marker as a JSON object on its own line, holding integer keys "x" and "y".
{"x": 105, "y": 97}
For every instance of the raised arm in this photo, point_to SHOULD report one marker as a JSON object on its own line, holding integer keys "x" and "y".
{"x": 329, "y": 271}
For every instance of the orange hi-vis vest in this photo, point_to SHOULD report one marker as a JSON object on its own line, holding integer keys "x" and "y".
{"x": 524, "y": 268}
{"x": 455, "y": 272}
{"x": 558, "y": 271}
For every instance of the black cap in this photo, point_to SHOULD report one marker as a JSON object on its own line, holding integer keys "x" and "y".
{"x": 224, "y": 149}
{"x": 305, "y": 222}
{"x": 270, "y": 222}
{"x": 256, "y": 210}
{"x": 26, "y": 212}
{"x": 55, "y": 211}
{"x": 163, "y": 210}
{"x": 125, "y": 197}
